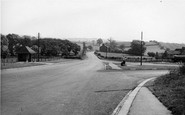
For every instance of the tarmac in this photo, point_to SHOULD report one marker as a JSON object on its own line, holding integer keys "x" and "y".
{"x": 140, "y": 101}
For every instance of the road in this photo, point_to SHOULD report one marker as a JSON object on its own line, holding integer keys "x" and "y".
{"x": 80, "y": 87}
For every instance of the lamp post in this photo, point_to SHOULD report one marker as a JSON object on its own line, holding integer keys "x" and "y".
{"x": 141, "y": 61}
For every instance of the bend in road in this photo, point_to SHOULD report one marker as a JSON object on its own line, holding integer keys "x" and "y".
{"x": 76, "y": 88}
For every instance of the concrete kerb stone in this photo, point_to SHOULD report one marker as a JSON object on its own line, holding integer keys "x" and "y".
{"x": 107, "y": 66}
{"x": 124, "y": 106}
{"x": 119, "y": 107}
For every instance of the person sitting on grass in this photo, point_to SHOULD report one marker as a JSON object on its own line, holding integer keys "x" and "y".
{"x": 123, "y": 63}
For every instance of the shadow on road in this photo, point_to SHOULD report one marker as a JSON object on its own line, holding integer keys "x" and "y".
{"x": 114, "y": 90}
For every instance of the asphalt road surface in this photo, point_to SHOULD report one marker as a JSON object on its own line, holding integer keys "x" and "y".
{"x": 80, "y": 87}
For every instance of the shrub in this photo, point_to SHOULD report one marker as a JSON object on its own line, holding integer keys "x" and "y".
{"x": 182, "y": 69}
{"x": 170, "y": 90}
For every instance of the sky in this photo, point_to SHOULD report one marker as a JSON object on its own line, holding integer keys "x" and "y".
{"x": 122, "y": 20}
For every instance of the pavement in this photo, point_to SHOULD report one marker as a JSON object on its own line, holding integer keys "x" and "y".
{"x": 146, "y": 103}
{"x": 109, "y": 65}
{"x": 141, "y": 101}
{"x": 114, "y": 66}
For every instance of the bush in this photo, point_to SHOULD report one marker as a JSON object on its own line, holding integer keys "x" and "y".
{"x": 151, "y": 54}
{"x": 182, "y": 69}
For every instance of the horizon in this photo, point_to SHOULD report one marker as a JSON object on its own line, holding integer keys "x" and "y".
{"x": 91, "y": 39}
{"x": 122, "y": 20}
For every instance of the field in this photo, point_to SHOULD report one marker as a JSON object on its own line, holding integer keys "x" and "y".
{"x": 172, "y": 46}
{"x": 154, "y": 49}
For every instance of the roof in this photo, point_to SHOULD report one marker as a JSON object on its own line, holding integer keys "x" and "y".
{"x": 173, "y": 52}
{"x": 179, "y": 55}
{"x": 25, "y": 49}
{"x": 183, "y": 53}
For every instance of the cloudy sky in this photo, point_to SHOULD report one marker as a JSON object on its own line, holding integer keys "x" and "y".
{"x": 123, "y": 20}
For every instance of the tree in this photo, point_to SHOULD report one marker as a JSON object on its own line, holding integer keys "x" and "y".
{"x": 14, "y": 40}
{"x": 112, "y": 45}
{"x": 136, "y": 48}
{"x": 157, "y": 55}
{"x": 4, "y": 46}
{"x": 47, "y": 46}
{"x": 165, "y": 54}
{"x": 122, "y": 47}
{"x": 99, "y": 41}
{"x": 26, "y": 41}
{"x": 151, "y": 54}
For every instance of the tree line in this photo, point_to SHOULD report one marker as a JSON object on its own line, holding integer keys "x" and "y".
{"x": 46, "y": 46}
{"x": 135, "y": 47}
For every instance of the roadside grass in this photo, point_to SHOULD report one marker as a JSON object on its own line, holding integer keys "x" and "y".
{"x": 60, "y": 60}
{"x": 146, "y": 67}
{"x": 170, "y": 90}
{"x": 28, "y": 64}
{"x": 18, "y": 65}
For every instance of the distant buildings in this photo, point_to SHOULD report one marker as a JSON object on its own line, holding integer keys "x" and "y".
{"x": 25, "y": 53}
{"x": 182, "y": 50}
{"x": 103, "y": 48}
{"x": 172, "y": 53}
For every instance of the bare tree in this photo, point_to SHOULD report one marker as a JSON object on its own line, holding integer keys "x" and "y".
{"x": 99, "y": 41}
{"x": 112, "y": 44}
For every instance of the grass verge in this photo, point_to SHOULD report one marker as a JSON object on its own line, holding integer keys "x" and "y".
{"x": 19, "y": 65}
{"x": 170, "y": 90}
{"x": 146, "y": 67}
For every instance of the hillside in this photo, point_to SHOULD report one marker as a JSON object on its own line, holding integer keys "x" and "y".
{"x": 171, "y": 46}
{"x": 152, "y": 46}
{"x": 154, "y": 49}
{"x": 159, "y": 47}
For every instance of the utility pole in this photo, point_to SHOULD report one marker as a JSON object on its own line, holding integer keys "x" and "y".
{"x": 141, "y": 48}
{"x": 106, "y": 49}
{"x": 38, "y": 47}
{"x": 106, "y": 52}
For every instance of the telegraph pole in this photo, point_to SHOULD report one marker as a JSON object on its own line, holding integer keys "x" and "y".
{"x": 38, "y": 47}
{"x": 141, "y": 48}
{"x": 106, "y": 52}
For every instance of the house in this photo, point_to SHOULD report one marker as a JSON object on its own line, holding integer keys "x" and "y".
{"x": 24, "y": 53}
{"x": 179, "y": 58}
{"x": 171, "y": 53}
{"x": 183, "y": 51}
{"x": 103, "y": 48}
